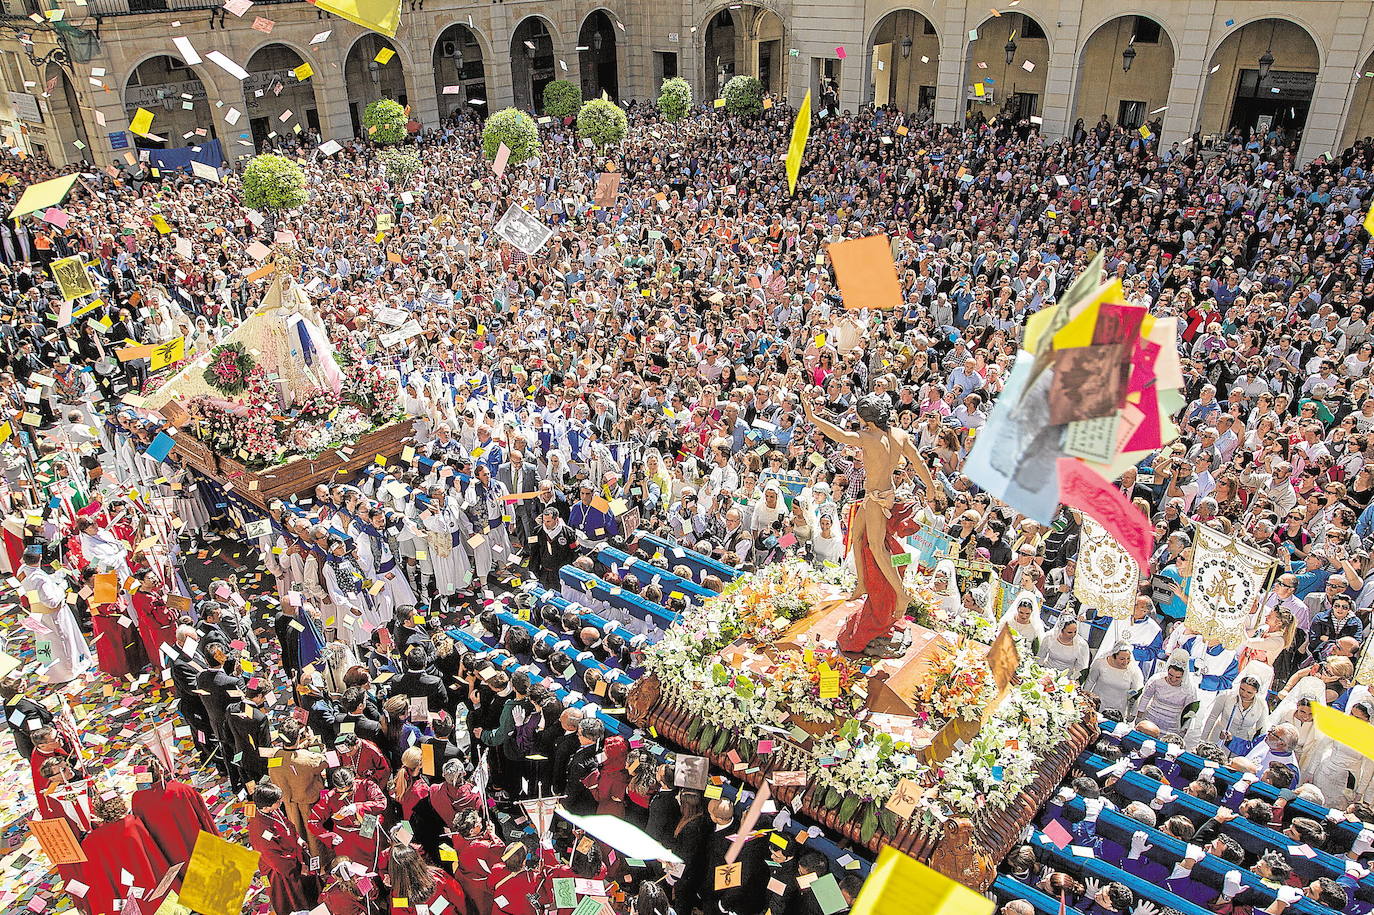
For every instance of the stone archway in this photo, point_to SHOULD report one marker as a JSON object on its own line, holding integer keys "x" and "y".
{"x": 460, "y": 76}
{"x": 597, "y": 56}
{"x": 904, "y": 62}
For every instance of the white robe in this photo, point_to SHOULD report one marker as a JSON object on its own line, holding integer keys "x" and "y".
{"x": 445, "y": 560}
{"x": 47, "y": 593}
{"x": 1117, "y": 688}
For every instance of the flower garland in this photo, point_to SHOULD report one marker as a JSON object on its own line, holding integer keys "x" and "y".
{"x": 799, "y": 680}
{"x": 371, "y": 389}
{"x": 318, "y": 403}
{"x": 958, "y": 684}
{"x": 230, "y": 365}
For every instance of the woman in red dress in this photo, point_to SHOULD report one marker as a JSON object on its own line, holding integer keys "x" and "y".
{"x": 414, "y": 883}
{"x": 118, "y": 650}
{"x": 157, "y": 624}
{"x": 349, "y": 889}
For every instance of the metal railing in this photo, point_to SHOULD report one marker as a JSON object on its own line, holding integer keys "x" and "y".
{"x": 144, "y": 7}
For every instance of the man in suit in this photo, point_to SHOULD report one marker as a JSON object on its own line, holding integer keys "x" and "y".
{"x": 219, "y": 690}
{"x": 750, "y": 896}
{"x": 251, "y": 731}
{"x": 517, "y": 475}
{"x": 418, "y": 680}
{"x": 529, "y": 512}
{"x": 554, "y": 545}
{"x": 581, "y": 764}
{"x": 353, "y": 703}
{"x": 185, "y": 667}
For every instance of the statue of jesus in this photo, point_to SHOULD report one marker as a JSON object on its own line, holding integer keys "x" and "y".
{"x": 875, "y": 524}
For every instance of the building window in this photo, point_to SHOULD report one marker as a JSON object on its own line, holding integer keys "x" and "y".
{"x": 929, "y": 26}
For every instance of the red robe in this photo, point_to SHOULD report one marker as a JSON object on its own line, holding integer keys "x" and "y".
{"x": 339, "y": 901}
{"x": 367, "y": 798}
{"x": 368, "y": 762}
{"x": 514, "y": 889}
{"x": 878, "y": 614}
{"x": 175, "y": 815}
{"x": 156, "y": 624}
{"x": 416, "y": 791}
{"x": 283, "y": 861}
{"x": 117, "y": 649}
{"x": 123, "y": 845}
{"x": 448, "y": 801}
{"x": 478, "y": 866}
{"x": 446, "y": 888}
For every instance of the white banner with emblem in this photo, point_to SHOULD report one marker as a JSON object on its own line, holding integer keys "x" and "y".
{"x": 1228, "y": 577}
{"x": 1107, "y": 578}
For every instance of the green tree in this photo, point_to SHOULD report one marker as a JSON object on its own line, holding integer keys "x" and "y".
{"x": 744, "y": 95}
{"x": 400, "y": 164}
{"x": 514, "y": 128}
{"x": 561, "y": 99}
{"x": 602, "y": 122}
{"x": 675, "y": 99}
{"x": 385, "y": 122}
{"x": 273, "y": 183}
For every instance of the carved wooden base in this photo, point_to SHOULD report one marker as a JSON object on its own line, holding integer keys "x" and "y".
{"x": 300, "y": 475}
{"x": 966, "y": 850}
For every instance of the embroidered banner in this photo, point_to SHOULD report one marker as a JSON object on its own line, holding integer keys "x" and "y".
{"x": 1227, "y": 578}
{"x": 1107, "y": 577}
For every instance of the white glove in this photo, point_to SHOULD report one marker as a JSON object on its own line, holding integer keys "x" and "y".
{"x": 1173, "y": 751}
{"x": 1289, "y": 894}
{"x": 1065, "y": 795}
{"x": 1363, "y": 842}
{"x": 781, "y": 819}
{"x": 1208, "y": 774}
{"x": 338, "y": 840}
{"x": 1232, "y": 886}
{"x": 1243, "y": 783}
{"x": 1093, "y": 887}
{"x": 1194, "y": 853}
{"x": 1356, "y": 870}
{"x": 1093, "y": 806}
{"x": 1139, "y": 844}
{"x": 1120, "y": 729}
{"x": 1147, "y": 749}
{"x": 1335, "y": 816}
{"x": 1145, "y": 907}
{"x": 1164, "y": 795}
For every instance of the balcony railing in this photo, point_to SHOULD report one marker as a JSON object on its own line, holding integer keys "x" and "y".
{"x": 143, "y": 7}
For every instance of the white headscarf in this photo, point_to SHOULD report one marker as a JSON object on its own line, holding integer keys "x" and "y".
{"x": 951, "y": 601}
{"x": 1034, "y": 630}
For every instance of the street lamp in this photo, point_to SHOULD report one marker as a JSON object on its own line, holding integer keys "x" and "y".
{"x": 1266, "y": 61}
{"x": 1128, "y": 58}
{"x": 1010, "y": 48}
{"x": 906, "y": 46}
{"x": 597, "y": 39}
{"x": 374, "y": 70}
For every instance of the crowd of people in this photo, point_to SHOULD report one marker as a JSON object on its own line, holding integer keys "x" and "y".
{"x": 642, "y": 375}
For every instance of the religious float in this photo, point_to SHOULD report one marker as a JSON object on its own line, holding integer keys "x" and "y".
{"x": 269, "y": 412}
{"x": 945, "y": 751}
